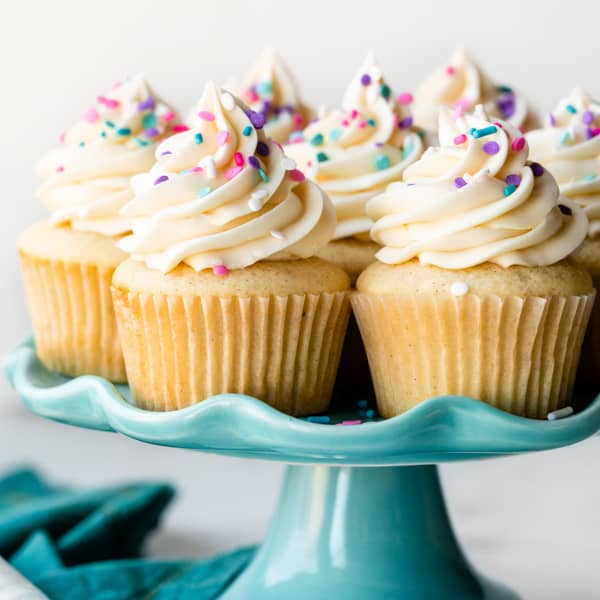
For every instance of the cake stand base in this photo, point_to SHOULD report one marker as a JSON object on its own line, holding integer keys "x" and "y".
{"x": 357, "y": 533}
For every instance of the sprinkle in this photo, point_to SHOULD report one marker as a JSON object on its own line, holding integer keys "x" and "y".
{"x": 365, "y": 80}
{"x": 459, "y": 288}
{"x": 498, "y": 124}
{"x": 253, "y": 162}
{"x": 91, "y": 115}
{"x": 552, "y": 120}
{"x": 371, "y": 122}
{"x": 509, "y": 189}
{"x": 208, "y": 164}
{"x": 160, "y": 179}
{"x": 335, "y": 134}
{"x": 565, "y": 210}
{"x": 345, "y": 123}
{"x": 103, "y": 134}
{"x": 148, "y": 121}
{"x": 322, "y": 157}
{"x": 362, "y": 124}
{"x": 123, "y": 131}
{"x": 407, "y": 150}
{"x": 518, "y": 144}
{"x": 166, "y": 153}
{"x": 405, "y": 123}
{"x": 450, "y": 70}
{"x": 196, "y": 169}
{"x": 227, "y": 101}
{"x": 362, "y": 403}
{"x": 536, "y": 169}
{"x": 460, "y": 182}
{"x": 513, "y": 179}
{"x": 277, "y": 235}
{"x": 479, "y": 133}
{"x": 298, "y": 119}
{"x": 62, "y": 136}
{"x": 220, "y": 270}
{"x": 151, "y": 132}
{"x": 198, "y": 138}
{"x": 382, "y": 162}
{"x": 491, "y": 148}
{"x": 247, "y": 131}
{"x": 385, "y": 90}
{"x": 257, "y": 119}
{"x": 257, "y": 200}
{"x": 238, "y": 159}
{"x": 168, "y": 116}
{"x": 504, "y": 89}
{"x": 595, "y": 131}
{"x": 317, "y": 139}
{"x": 109, "y": 124}
{"x": 297, "y": 175}
{"x": 588, "y": 117}
{"x": 146, "y": 104}
{"x": 561, "y": 413}
{"x": 222, "y": 138}
{"x": 353, "y": 114}
{"x": 570, "y": 109}
{"x": 233, "y": 171}
{"x": 60, "y": 169}
{"x": 460, "y": 107}
{"x": 179, "y": 128}
{"x": 404, "y": 98}
{"x": 264, "y": 88}
{"x": 351, "y": 422}
{"x": 564, "y": 138}
{"x": 589, "y": 177}
{"x": 262, "y": 149}
{"x": 206, "y": 115}
{"x": 321, "y": 419}
{"x": 460, "y": 139}
{"x": 263, "y": 175}
{"x": 108, "y": 102}
{"x": 204, "y": 191}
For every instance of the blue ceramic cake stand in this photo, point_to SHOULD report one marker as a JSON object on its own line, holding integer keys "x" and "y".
{"x": 339, "y": 530}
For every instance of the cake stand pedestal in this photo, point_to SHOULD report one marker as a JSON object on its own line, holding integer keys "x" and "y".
{"x": 340, "y": 530}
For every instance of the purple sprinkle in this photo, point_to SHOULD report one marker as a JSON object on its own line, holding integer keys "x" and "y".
{"x": 406, "y": 123}
{"x": 262, "y": 149}
{"x": 588, "y": 117}
{"x": 589, "y": 132}
{"x": 536, "y": 169}
{"x": 165, "y": 153}
{"x": 460, "y": 182}
{"x": 161, "y": 179}
{"x": 513, "y": 179}
{"x": 151, "y": 132}
{"x": 146, "y": 104}
{"x": 491, "y": 148}
{"x": 365, "y": 79}
{"x": 253, "y": 162}
{"x": 565, "y": 210}
{"x": 288, "y": 108}
{"x": 552, "y": 120}
{"x": 378, "y": 144}
{"x": 257, "y": 119}
{"x": 506, "y": 106}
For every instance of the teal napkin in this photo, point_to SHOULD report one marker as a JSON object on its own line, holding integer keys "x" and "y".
{"x": 84, "y": 544}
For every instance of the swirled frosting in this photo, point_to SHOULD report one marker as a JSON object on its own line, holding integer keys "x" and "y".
{"x": 569, "y": 146}
{"x": 353, "y": 153}
{"x": 224, "y": 196}
{"x": 476, "y": 199}
{"x": 86, "y": 179}
{"x": 462, "y": 84}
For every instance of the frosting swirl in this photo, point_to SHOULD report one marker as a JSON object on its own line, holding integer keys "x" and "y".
{"x": 461, "y": 83}
{"x": 86, "y": 179}
{"x": 353, "y": 153}
{"x": 569, "y": 146}
{"x": 476, "y": 199}
{"x": 223, "y": 196}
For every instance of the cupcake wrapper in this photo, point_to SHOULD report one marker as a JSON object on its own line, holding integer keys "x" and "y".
{"x": 589, "y": 368}
{"x": 180, "y": 350}
{"x": 518, "y": 354}
{"x": 73, "y": 317}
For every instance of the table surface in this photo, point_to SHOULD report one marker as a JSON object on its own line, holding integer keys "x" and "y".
{"x": 530, "y": 521}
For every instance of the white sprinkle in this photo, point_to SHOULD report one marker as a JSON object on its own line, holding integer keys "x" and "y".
{"x": 257, "y": 200}
{"x": 277, "y": 235}
{"x": 228, "y": 101}
{"x": 459, "y": 288}
{"x": 288, "y": 164}
{"x": 561, "y": 413}
{"x": 209, "y": 166}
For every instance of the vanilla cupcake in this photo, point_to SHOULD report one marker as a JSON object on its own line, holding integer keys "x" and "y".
{"x": 569, "y": 147}
{"x": 472, "y": 293}
{"x": 462, "y": 84}
{"x": 221, "y": 293}
{"x": 353, "y": 153}
{"x": 68, "y": 261}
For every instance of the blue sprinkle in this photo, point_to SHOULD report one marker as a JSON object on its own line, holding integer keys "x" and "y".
{"x": 204, "y": 191}
{"x": 247, "y": 131}
{"x": 335, "y": 134}
{"x": 318, "y": 419}
{"x": 382, "y": 162}
{"x": 198, "y": 138}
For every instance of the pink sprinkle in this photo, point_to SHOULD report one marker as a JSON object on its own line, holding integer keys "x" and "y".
{"x": 518, "y": 144}
{"x": 595, "y": 131}
{"x": 206, "y": 115}
{"x": 450, "y": 70}
{"x": 168, "y": 116}
{"x": 351, "y": 422}
{"x": 353, "y": 114}
{"x": 522, "y": 129}
{"x": 362, "y": 124}
{"x": 345, "y": 122}
{"x": 405, "y": 98}
{"x": 196, "y": 169}
{"x": 220, "y": 270}
{"x": 296, "y": 175}
{"x": 180, "y": 127}
{"x": 298, "y": 119}
{"x": 90, "y": 115}
{"x": 222, "y": 137}
{"x": 108, "y": 102}
{"x": 233, "y": 171}
{"x": 460, "y": 139}
{"x": 498, "y": 124}
{"x": 62, "y": 136}
{"x": 396, "y": 120}
{"x": 239, "y": 159}
{"x": 460, "y": 107}
{"x": 252, "y": 96}
{"x": 60, "y": 169}
{"x": 296, "y": 140}
{"x": 117, "y": 84}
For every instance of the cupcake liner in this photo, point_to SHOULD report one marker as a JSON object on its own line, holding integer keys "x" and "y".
{"x": 180, "y": 350}
{"x": 518, "y": 354}
{"x": 73, "y": 317}
{"x": 589, "y": 367}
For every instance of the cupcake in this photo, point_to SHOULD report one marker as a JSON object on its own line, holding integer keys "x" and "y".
{"x": 222, "y": 293}
{"x": 68, "y": 261}
{"x": 462, "y": 84}
{"x": 472, "y": 293}
{"x": 569, "y": 147}
{"x": 353, "y": 153}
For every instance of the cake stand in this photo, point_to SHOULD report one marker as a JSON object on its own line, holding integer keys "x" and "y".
{"x": 340, "y": 530}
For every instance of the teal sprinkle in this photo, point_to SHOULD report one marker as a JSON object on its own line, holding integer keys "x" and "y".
{"x": 184, "y": 172}
{"x": 479, "y": 133}
{"x": 504, "y": 89}
{"x": 81, "y": 144}
{"x": 407, "y": 150}
{"x": 335, "y": 134}
{"x": 109, "y": 124}
{"x": 371, "y": 122}
{"x": 317, "y": 139}
{"x": 141, "y": 142}
{"x": 149, "y": 121}
{"x": 589, "y": 177}
{"x": 570, "y": 108}
{"x": 322, "y": 419}
{"x": 123, "y": 131}
{"x": 421, "y": 133}
{"x": 198, "y": 137}
{"x": 382, "y": 162}
{"x": 103, "y": 134}
{"x": 264, "y": 88}
{"x": 472, "y": 131}
{"x": 204, "y": 191}
{"x": 370, "y": 413}
{"x": 247, "y": 130}
{"x": 509, "y": 189}
{"x": 263, "y": 175}
{"x": 322, "y": 157}
{"x": 564, "y": 138}
{"x": 385, "y": 90}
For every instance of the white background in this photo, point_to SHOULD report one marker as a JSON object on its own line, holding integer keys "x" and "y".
{"x": 532, "y": 521}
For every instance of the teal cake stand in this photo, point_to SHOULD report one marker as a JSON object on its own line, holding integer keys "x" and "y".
{"x": 340, "y": 530}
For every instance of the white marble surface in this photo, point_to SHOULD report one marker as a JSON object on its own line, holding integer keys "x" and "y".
{"x": 531, "y": 521}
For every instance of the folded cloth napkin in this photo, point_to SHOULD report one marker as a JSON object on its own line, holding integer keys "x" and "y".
{"x": 73, "y": 544}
